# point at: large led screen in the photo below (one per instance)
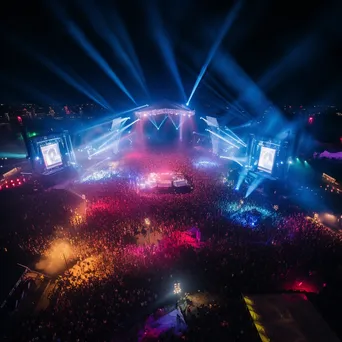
(266, 159)
(52, 155)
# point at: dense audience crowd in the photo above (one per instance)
(123, 251)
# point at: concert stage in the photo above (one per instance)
(163, 182)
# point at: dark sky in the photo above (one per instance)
(289, 49)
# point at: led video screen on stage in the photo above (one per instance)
(52, 155)
(266, 159)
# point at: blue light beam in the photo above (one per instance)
(225, 140)
(67, 78)
(161, 124)
(99, 24)
(166, 49)
(91, 90)
(54, 68)
(236, 138)
(226, 26)
(126, 41)
(292, 60)
(153, 122)
(248, 91)
(233, 159)
(105, 146)
(111, 118)
(170, 116)
(94, 54)
(254, 185)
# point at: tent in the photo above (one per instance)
(174, 320)
(288, 317)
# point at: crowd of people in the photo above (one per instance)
(117, 261)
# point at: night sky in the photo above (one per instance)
(289, 49)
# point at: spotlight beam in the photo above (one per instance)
(109, 134)
(54, 68)
(242, 176)
(152, 122)
(231, 137)
(226, 26)
(298, 56)
(110, 119)
(202, 135)
(132, 110)
(249, 123)
(99, 139)
(205, 120)
(91, 90)
(94, 126)
(254, 185)
(215, 83)
(170, 117)
(99, 23)
(106, 144)
(248, 91)
(165, 48)
(206, 84)
(230, 158)
(113, 136)
(82, 41)
(67, 78)
(223, 97)
(227, 141)
(151, 118)
(129, 125)
(29, 89)
(94, 54)
(181, 119)
(162, 122)
(168, 54)
(126, 41)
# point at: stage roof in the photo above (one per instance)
(288, 317)
(165, 107)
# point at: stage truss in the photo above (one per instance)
(165, 111)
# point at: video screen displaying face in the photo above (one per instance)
(266, 159)
(52, 155)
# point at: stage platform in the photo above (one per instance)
(163, 182)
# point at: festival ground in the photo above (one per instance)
(113, 255)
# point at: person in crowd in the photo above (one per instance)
(119, 272)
